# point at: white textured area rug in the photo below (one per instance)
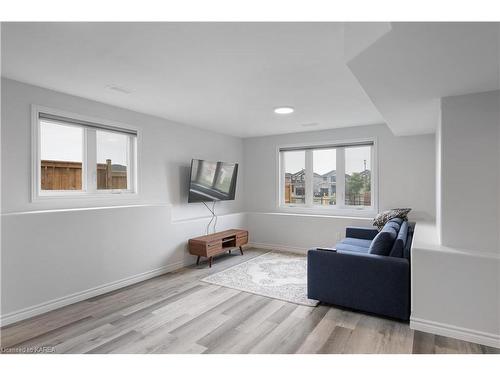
(275, 274)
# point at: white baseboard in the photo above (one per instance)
(291, 249)
(455, 332)
(44, 307)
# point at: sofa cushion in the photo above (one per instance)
(407, 249)
(400, 243)
(397, 249)
(397, 220)
(357, 242)
(352, 248)
(382, 243)
(394, 225)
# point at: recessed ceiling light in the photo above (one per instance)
(283, 110)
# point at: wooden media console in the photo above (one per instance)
(217, 243)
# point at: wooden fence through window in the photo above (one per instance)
(67, 175)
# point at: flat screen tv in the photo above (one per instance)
(212, 181)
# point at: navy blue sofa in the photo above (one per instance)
(368, 270)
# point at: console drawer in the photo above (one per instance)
(214, 247)
(241, 240)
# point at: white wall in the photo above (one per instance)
(438, 178)
(298, 233)
(406, 167)
(470, 157)
(456, 261)
(43, 249)
(50, 259)
(167, 150)
(406, 170)
(455, 292)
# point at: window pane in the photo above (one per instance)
(294, 163)
(112, 160)
(61, 151)
(324, 177)
(358, 176)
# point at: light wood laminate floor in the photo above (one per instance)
(177, 313)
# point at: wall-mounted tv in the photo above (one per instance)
(212, 181)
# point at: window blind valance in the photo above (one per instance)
(88, 124)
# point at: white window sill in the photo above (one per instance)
(82, 195)
(368, 213)
(76, 209)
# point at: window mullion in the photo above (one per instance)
(373, 177)
(131, 164)
(281, 194)
(309, 178)
(90, 160)
(340, 177)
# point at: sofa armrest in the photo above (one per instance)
(367, 282)
(361, 233)
(324, 249)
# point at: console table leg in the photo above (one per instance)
(210, 262)
(241, 250)
(198, 261)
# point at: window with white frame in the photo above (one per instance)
(328, 176)
(77, 157)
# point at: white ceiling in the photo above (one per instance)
(411, 65)
(225, 77)
(228, 77)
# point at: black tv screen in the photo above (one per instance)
(212, 181)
